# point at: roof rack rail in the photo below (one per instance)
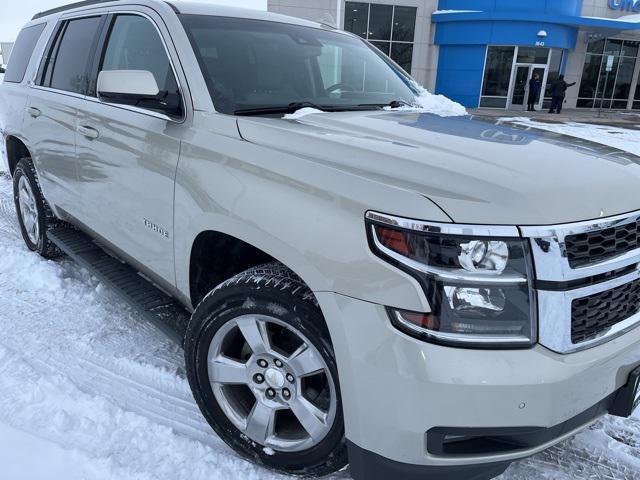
(70, 6)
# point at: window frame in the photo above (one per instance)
(50, 54)
(389, 43)
(95, 61)
(99, 56)
(608, 102)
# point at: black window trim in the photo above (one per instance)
(54, 44)
(98, 57)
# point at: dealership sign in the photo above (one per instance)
(628, 5)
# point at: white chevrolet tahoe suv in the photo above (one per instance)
(360, 283)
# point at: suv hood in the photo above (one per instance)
(477, 171)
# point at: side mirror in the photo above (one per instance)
(137, 88)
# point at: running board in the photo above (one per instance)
(155, 305)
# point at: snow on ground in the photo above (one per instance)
(621, 138)
(91, 392)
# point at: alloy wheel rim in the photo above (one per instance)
(28, 210)
(272, 383)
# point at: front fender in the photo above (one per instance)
(306, 215)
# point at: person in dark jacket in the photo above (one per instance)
(534, 92)
(558, 92)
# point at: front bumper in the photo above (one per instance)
(396, 389)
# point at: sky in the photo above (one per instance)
(14, 14)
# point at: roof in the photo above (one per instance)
(194, 8)
(629, 22)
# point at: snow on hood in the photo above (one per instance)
(426, 102)
(303, 112)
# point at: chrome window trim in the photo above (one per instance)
(446, 228)
(549, 248)
(554, 331)
(452, 275)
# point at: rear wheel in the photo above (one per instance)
(262, 369)
(34, 215)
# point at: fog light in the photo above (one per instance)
(484, 255)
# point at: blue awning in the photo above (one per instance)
(629, 22)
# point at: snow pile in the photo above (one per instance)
(303, 112)
(1, 77)
(620, 138)
(427, 102)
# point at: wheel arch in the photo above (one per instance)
(216, 256)
(16, 149)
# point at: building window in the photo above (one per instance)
(597, 89)
(497, 77)
(391, 28)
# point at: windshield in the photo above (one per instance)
(257, 66)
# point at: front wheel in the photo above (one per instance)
(262, 369)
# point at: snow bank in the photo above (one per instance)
(620, 138)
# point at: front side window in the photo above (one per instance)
(388, 27)
(253, 64)
(67, 64)
(22, 52)
(135, 44)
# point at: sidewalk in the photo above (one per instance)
(629, 120)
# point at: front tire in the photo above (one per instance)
(262, 369)
(34, 215)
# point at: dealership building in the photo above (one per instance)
(482, 53)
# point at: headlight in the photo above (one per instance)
(478, 286)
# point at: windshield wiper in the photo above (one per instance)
(392, 104)
(295, 106)
(291, 108)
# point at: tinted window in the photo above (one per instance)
(69, 70)
(22, 52)
(252, 64)
(134, 44)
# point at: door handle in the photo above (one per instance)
(88, 132)
(34, 112)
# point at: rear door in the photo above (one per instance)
(51, 119)
(127, 156)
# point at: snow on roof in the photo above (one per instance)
(626, 18)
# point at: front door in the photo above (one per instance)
(127, 156)
(520, 85)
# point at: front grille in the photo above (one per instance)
(594, 315)
(593, 247)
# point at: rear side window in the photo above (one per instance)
(67, 64)
(22, 52)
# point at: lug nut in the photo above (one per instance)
(290, 378)
(286, 394)
(258, 378)
(277, 363)
(262, 363)
(271, 393)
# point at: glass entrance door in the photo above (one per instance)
(520, 85)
